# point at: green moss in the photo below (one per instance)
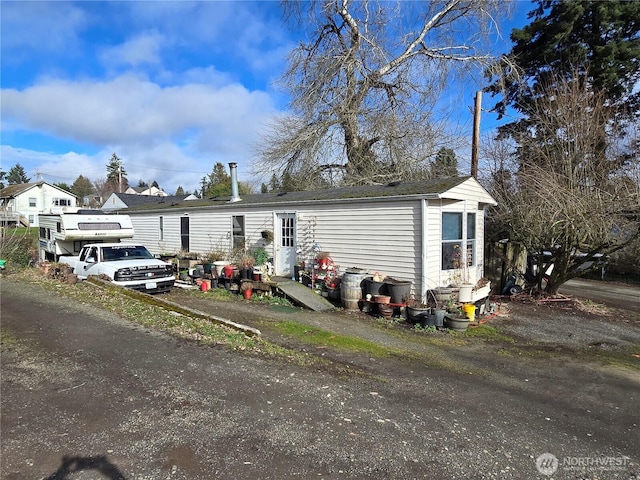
(316, 336)
(614, 356)
(489, 333)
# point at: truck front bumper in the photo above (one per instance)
(159, 285)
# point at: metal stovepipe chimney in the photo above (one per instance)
(235, 196)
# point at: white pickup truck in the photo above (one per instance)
(130, 266)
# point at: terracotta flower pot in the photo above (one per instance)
(384, 299)
(228, 271)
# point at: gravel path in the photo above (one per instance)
(88, 395)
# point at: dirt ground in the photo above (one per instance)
(88, 395)
(573, 323)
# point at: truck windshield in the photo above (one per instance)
(128, 252)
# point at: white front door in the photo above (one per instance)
(285, 243)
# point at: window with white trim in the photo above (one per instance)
(238, 231)
(471, 239)
(451, 240)
(458, 250)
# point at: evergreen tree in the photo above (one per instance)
(64, 186)
(445, 165)
(179, 191)
(599, 40)
(274, 184)
(82, 187)
(572, 74)
(116, 174)
(218, 182)
(17, 175)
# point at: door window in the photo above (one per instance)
(287, 232)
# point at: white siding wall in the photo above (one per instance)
(145, 232)
(435, 277)
(208, 230)
(380, 236)
(470, 191)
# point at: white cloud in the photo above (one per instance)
(140, 50)
(173, 135)
(170, 87)
(131, 109)
(41, 26)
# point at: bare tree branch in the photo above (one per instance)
(365, 88)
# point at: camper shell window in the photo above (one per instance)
(99, 226)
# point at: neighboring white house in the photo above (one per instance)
(152, 191)
(23, 202)
(420, 231)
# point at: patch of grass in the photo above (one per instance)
(223, 295)
(614, 357)
(8, 339)
(489, 333)
(19, 246)
(146, 312)
(285, 308)
(316, 336)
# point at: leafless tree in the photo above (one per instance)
(365, 87)
(103, 188)
(571, 188)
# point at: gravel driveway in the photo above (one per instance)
(86, 394)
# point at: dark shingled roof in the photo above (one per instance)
(133, 200)
(426, 188)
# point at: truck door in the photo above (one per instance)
(88, 261)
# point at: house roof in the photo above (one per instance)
(19, 188)
(132, 200)
(435, 188)
(145, 191)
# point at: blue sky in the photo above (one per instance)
(170, 87)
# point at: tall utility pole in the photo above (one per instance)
(119, 178)
(476, 135)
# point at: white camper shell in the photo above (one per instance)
(64, 233)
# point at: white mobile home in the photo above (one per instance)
(426, 232)
(65, 233)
